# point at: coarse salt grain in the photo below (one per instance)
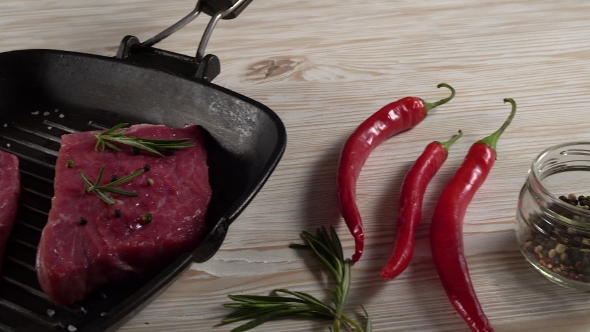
(49, 127)
(46, 113)
(102, 314)
(5, 125)
(35, 113)
(50, 312)
(56, 110)
(8, 144)
(72, 328)
(61, 116)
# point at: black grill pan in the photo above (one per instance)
(47, 93)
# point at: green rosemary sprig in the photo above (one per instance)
(260, 309)
(106, 139)
(103, 191)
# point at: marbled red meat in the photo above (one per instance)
(9, 195)
(74, 257)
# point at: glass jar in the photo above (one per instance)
(553, 233)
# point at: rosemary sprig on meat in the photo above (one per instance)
(155, 146)
(103, 191)
(284, 303)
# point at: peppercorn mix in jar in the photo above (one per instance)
(553, 216)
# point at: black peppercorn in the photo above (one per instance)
(118, 213)
(146, 218)
(146, 167)
(83, 221)
(134, 150)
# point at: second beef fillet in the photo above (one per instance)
(88, 243)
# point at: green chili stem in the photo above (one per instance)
(492, 140)
(450, 142)
(430, 106)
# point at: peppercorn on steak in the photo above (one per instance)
(9, 196)
(120, 212)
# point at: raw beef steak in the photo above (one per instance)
(88, 243)
(9, 195)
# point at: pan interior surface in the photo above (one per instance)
(44, 94)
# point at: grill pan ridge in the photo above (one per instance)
(47, 93)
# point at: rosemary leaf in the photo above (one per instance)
(117, 135)
(126, 178)
(86, 180)
(98, 144)
(302, 310)
(369, 324)
(336, 245)
(263, 299)
(347, 278)
(116, 127)
(131, 141)
(299, 246)
(307, 299)
(328, 249)
(322, 253)
(112, 146)
(100, 175)
(268, 316)
(102, 191)
(119, 191)
(242, 314)
(250, 306)
(164, 141)
(104, 196)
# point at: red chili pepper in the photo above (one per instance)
(446, 230)
(390, 120)
(410, 202)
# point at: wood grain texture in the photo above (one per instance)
(323, 67)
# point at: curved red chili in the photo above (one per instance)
(446, 230)
(410, 204)
(390, 120)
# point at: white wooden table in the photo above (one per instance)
(323, 67)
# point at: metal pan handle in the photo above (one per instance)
(217, 9)
(237, 6)
(212, 7)
(207, 66)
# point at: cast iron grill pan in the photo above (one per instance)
(47, 93)
(44, 94)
